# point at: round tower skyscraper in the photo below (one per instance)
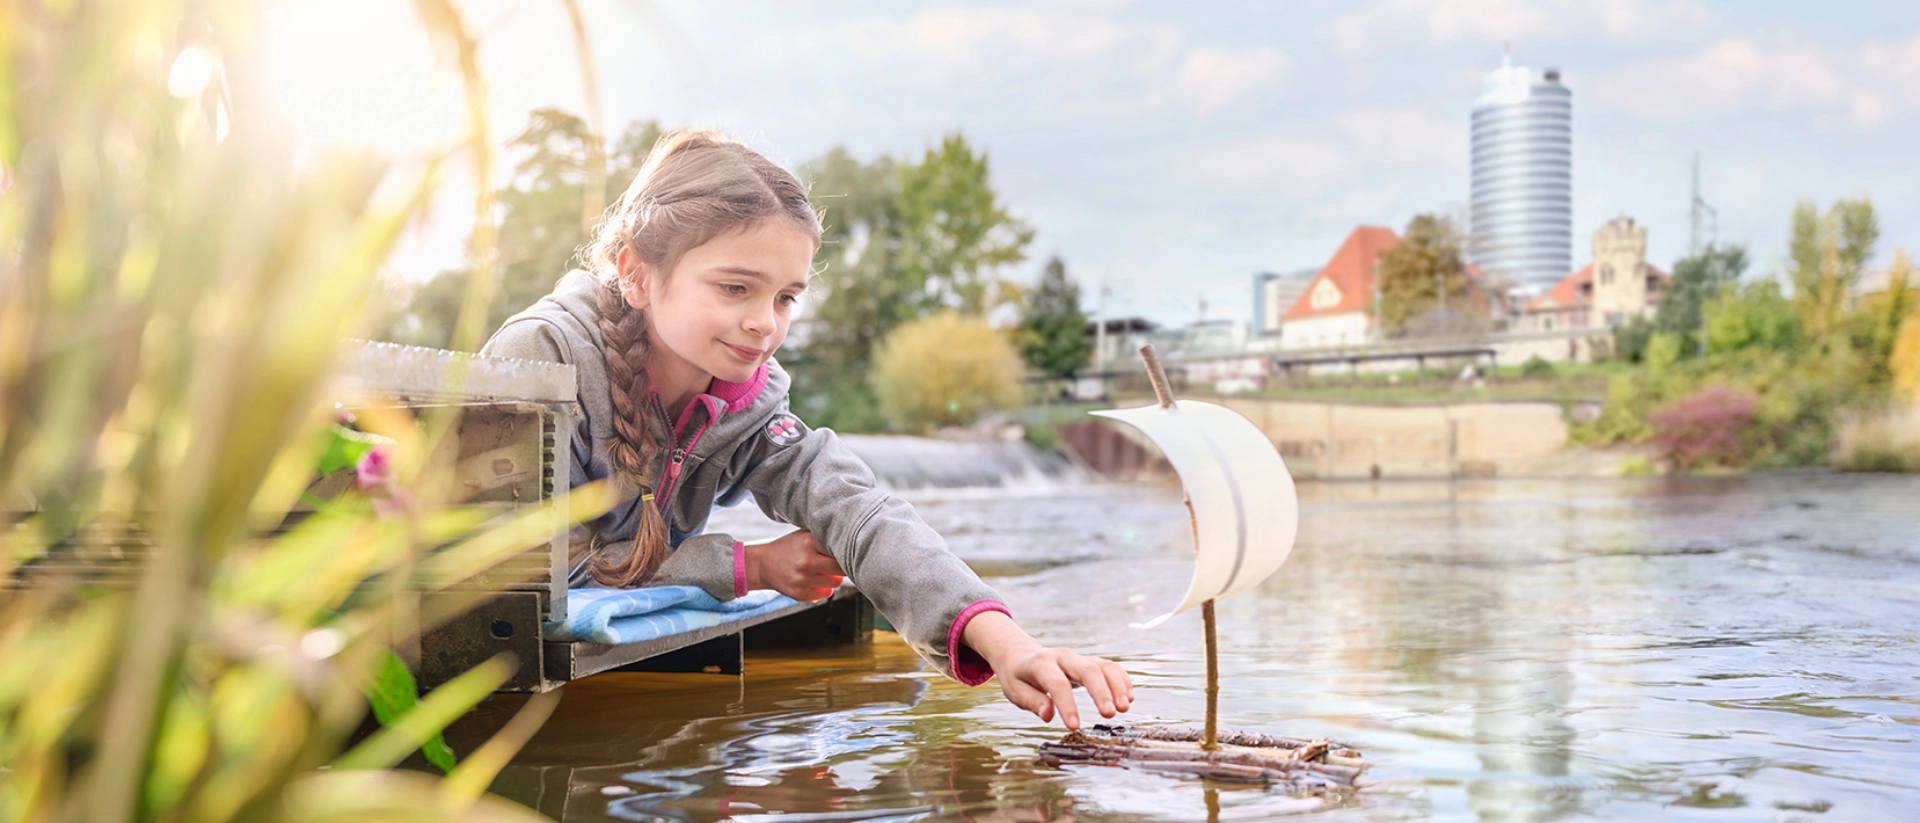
(1522, 200)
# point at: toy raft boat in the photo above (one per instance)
(1244, 513)
(1292, 764)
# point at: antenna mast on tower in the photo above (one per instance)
(1700, 212)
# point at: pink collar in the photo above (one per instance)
(739, 396)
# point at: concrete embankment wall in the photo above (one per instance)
(1884, 440)
(1350, 441)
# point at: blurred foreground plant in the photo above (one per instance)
(174, 292)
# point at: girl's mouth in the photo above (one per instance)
(749, 355)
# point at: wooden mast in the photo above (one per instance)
(1163, 391)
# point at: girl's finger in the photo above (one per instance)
(823, 564)
(1119, 683)
(831, 565)
(1087, 672)
(1027, 697)
(1060, 689)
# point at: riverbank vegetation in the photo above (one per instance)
(1763, 372)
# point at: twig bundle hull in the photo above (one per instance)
(1295, 765)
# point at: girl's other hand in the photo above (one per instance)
(795, 565)
(1041, 679)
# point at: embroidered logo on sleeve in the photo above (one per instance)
(784, 430)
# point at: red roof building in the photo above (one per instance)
(1345, 283)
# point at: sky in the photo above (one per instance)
(1169, 151)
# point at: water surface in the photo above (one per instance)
(1725, 649)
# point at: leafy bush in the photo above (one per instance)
(945, 370)
(1536, 367)
(1663, 350)
(1710, 428)
(1630, 339)
(1753, 315)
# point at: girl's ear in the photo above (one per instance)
(635, 276)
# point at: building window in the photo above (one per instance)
(1606, 275)
(1326, 295)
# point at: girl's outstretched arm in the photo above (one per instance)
(1041, 679)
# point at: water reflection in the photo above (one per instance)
(1746, 648)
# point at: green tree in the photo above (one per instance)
(898, 241)
(856, 298)
(1697, 279)
(1874, 327)
(540, 228)
(1754, 315)
(1422, 274)
(954, 234)
(1830, 252)
(1053, 331)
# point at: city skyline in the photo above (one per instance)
(1172, 152)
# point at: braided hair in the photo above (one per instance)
(694, 186)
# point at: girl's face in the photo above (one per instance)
(726, 305)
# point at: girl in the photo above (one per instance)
(695, 274)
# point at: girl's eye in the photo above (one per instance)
(734, 289)
(789, 299)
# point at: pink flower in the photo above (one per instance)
(373, 476)
(374, 470)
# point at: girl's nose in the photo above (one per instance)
(760, 321)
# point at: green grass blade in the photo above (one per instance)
(413, 729)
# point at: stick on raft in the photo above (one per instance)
(1292, 764)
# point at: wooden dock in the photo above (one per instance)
(509, 452)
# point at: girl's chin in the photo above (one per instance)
(735, 371)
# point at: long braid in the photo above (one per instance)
(694, 186)
(635, 444)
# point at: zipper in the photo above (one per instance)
(678, 457)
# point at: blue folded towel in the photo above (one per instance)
(635, 615)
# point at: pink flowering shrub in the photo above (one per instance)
(1708, 428)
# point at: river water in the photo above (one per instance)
(1728, 649)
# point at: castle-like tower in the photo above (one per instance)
(1620, 272)
(1522, 199)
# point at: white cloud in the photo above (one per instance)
(1444, 22)
(1738, 74)
(1090, 57)
(1898, 63)
(1212, 79)
(1363, 142)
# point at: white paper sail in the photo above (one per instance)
(1244, 507)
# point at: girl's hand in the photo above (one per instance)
(1041, 679)
(793, 564)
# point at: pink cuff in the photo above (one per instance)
(739, 569)
(968, 666)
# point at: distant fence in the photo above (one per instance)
(1335, 440)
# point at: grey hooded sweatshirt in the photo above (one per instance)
(739, 439)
